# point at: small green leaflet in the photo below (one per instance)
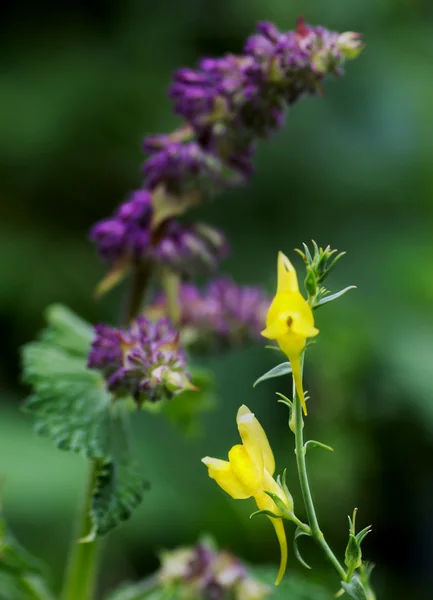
(332, 297)
(278, 371)
(71, 407)
(355, 590)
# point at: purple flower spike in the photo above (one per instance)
(127, 234)
(223, 316)
(144, 361)
(230, 102)
(128, 237)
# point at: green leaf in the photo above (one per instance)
(118, 490)
(278, 371)
(314, 444)
(72, 407)
(67, 330)
(119, 486)
(299, 533)
(20, 573)
(355, 590)
(333, 297)
(69, 403)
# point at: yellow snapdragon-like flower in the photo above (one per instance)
(290, 320)
(249, 473)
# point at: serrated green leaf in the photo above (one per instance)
(72, 407)
(278, 371)
(299, 533)
(67, 330)
(333, 297)
(118, 490)
(70, 403)
(119, 485)
(355, 590)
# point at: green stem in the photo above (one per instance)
(316, 533)
(81, 571)
(134, 299)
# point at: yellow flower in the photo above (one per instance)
(290, 320)
(248, 473)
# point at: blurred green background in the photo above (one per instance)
(81, 84)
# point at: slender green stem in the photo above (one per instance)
(305, 528)
(134, 299)
(81, 571)
(316, 533)
(171, 282)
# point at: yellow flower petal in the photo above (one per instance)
(281, 535)
(287, 279)
(275, 330)
(248, 473)
(254, 439)
(221, 471)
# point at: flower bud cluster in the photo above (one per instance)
(207, 574)
(144, 360)
(128, 236)
(224, 315)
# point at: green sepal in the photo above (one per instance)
(361, 535)
(286, 513)
(354, 589)
(278, 371)
(268, 513)
(282, 482)
(315, 444)
(353, 554)
(330, 298)
(299, 533)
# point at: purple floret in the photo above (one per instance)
(144, 360)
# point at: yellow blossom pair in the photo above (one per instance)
(249, 473)
(290, 320)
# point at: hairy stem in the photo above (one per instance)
(316, 532)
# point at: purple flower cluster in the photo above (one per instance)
(144, 361)
(224, 315)
(203, 572)
(230, 102)
(128, 236)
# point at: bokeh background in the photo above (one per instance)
(81, 84)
